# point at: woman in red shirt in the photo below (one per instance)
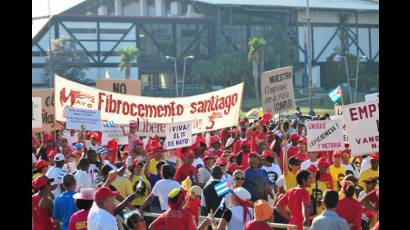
(297, 199)
(256, 134)
(83, 202)
(349, 208)
(42, 205)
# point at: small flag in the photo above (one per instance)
(336, 94)
(139, 185)
(222, 188)
(102, 150)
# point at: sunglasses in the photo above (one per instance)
(239, 178)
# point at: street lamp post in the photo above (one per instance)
(357, 75)
(309, 56)
(337, 58)
(176, 76)
(183, 75)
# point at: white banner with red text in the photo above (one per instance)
(209, 111)
(325, 135)
(362, 127)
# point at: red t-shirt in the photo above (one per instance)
(236, 147)
(175, 219)
(186, 170)
(350, 210)
(245, 161)
(301, 157)
(292, 151)
(193, 206)
(78, 220)
(373, 197)
(294, 199)
(256, 225)
(41, 217)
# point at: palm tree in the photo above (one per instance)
(128, 55)
(256, 45)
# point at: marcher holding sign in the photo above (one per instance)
(277, 90)
(362, 126)
(178, 135)
(325, 135)
(83, 119)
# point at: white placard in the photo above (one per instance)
(83, 119)
(109, 133)
(324, 135)
(36, 119)
(362, 127)
(372, 97)
(339, 115)
(178, 135)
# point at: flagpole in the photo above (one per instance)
(340, 85)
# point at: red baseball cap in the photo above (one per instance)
(323, 162)
(246, 143)
(337, 153)
(41, 182)
(267, 116)
(208, 155)
(374, 156)
(294, 137)
(253, 154)
(232, 167)
(135, 162)
(302, 139)
(138, 143)
(214, 139)
(189, 153)
(41, 164)
(103, 193)
(94, 135)
(266, 154)
(312, 169)
(48, 137)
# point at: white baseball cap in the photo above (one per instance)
(242, 193)
(59, 157)
(85, 194)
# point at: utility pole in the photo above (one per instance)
(309, 54)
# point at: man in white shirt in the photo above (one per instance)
(94, 145)
(72, 137)
(272, 170)
(81, 176)
(347, 165)
(56, 172)
(311, 161)
(162, 188)
(100, 217)
(204, 173)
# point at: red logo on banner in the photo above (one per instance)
(76, 97)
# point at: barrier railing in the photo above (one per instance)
(201, 218)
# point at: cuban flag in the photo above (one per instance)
(222, 188)
(336, 94)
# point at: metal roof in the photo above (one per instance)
(317, 4)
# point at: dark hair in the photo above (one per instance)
(330, 198)
(68, 180)
(83, 163)
(293, 161)
(83, 204)
(216, 172)
(167, 171)
(90, 151)
(301, 176)
(349, 191)
(59, 164)
(159, 165)
(269, 159)
(105, 170)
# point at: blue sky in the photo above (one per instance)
(40, 7)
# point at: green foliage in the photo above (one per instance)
(128, 55)
(256, 45)
(66, 60)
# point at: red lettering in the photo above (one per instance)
(193, 108)
(119, 102)
(125, 108)
(352, 114)
(133, 113)
(100, 100)
(180, 110)
(140, 110)
(112, 103)
(160, 109)
(372, 109)
(363, 111)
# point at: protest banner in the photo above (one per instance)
(178, 135)
(325, 135)
(372, 97)
(362, 127)
(83, 119)
(209, 111)
(277, 90)
(47, 107)
(109, 133)
(36, 121)
(129, 87)
(339, 115)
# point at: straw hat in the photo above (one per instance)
(262, 210)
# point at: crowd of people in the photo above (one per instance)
(264, 166)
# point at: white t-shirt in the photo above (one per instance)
(273, 173)
(33, 158)
(95, 174)
(83, 180)
(71, 139)
(100, 219)
(280, 181)
(57, 174)
(203, 175)
(350, 167)
(161, 190)
(236, 221)
(305, 164)
(198, 163)
(93, 147)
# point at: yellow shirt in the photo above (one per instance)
(366, 174)
(337, 175)
(290, 181)
(123, 186)
(153, 166)
(317, 191)
(37, 175)
(140, 199)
